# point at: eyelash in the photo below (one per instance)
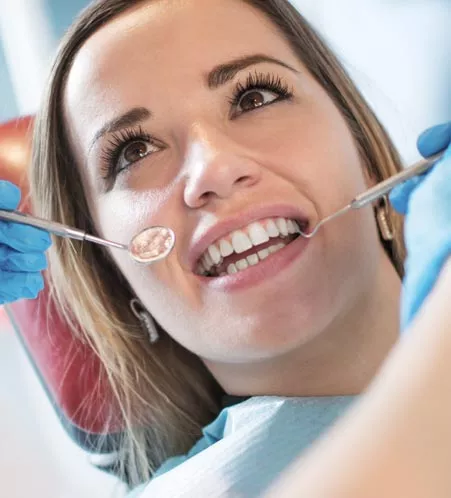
(120, 140)
(261, 81)
(116, 145)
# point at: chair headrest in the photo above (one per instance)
(71, 373)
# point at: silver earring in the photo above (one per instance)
(147, 322)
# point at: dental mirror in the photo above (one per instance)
(149, 246)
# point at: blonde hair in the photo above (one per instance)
(164, 393)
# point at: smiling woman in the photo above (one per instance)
(235, 133)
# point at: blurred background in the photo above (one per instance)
(398, 52)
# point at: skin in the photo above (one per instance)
(389, 444)
(321, 327)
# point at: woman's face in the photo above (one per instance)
(197, 115)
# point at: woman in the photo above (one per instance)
(233, 124)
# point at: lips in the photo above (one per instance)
(257, 230)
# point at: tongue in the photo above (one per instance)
(233, 258)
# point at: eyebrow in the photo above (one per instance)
(217, 77)
(130, 118)
(222, 74)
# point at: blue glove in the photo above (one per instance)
(22, 250)
(426, 202)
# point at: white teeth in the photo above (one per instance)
(275, 248)
(231, 269)
(242, 264)
(215, 254)
(291, 227)
(282, 226)
(241, 242)
(258, 234)
(272, 229)
(225, 248)
(208, 262)
(253, 259)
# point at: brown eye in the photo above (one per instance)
(256, 98)
(135, 151)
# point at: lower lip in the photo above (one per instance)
(264, 270)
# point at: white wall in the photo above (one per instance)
(399, 53)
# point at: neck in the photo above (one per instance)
(341, 361)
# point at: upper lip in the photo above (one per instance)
(206, 237)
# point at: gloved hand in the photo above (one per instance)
(21, 252)
(426, 202)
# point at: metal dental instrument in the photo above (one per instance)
(149, 246)
(379, 190)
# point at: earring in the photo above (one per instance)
(383, 220)
(147, 322)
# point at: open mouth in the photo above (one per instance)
(248, 246)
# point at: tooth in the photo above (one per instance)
(282, 226)
(242, 264)
(280, 246)
(263, 254)
(291, 226)
(272, 249)
(207, 261)
(297, 227)
(203, 267)
(272, 229)
(215, 254)
(225, 248)
(253, 259)
(257, 234)
(231, 269)
(240, 242)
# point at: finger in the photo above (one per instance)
(9, 195)
(12, 260)
(434, 140)
(18, 285)
(24, 238)
(400, 195)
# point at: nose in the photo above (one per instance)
(216, 170)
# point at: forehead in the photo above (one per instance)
(164, 41)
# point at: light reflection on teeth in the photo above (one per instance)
(243, 240)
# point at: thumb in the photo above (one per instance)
(434, 140)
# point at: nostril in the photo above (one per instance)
(206, 196)
(244, 180)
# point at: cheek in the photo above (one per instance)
(120, 215)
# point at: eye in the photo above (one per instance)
(256, 98)
(259, 90)
(134, 152)
(125, 149)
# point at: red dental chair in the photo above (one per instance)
(71, 374)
